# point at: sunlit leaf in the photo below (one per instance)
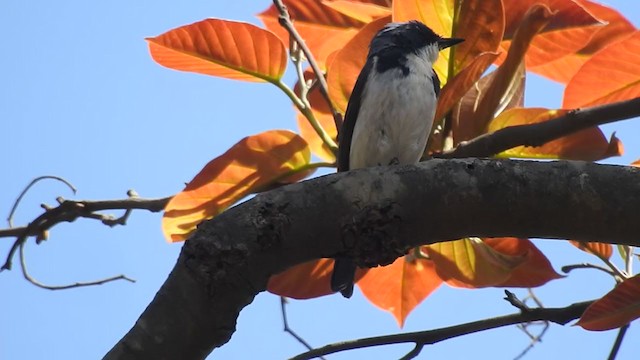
(323, 29)
(622, 63)
(601, 250)
(304, 281)
(224, 48)
(535, 270)
(460, 84)
(471, 263)
(568, 14)
(436, 14)
(589, 144)
(616, 27)
(348, 62)
(398, 288)
(481, 25)
(507, 75)
(359, 10)
(617, 308)
(465, 124)
(250, 165)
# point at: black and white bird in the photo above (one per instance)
(391, 109)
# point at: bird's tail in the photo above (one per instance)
(343, 275)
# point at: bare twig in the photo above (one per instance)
(35, 282)
(285, 22)
(70, 210)
(541, 133)
(556, 315)
(618, 342)
(283, 308)
(568, 268)
(534, 339)
(26, 189)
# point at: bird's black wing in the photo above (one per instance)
(350, 117)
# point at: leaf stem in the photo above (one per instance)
(306, 111)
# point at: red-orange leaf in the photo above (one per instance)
(622, 81)
(398, 288)
(323, 29)
(535, 270)
(359, 10)
(567, 15)
(481, 25)
(348, 62)
(601, 250)
(225, 48)
(589, 144)
(615, 28)
(250, 165)
(307, 280)
(465, 124)
(617, 308)
(472, 263)
(506, 76)
(458, 86)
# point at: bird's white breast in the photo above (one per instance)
(395, 117)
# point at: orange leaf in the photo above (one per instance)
(601, 250)
(616, 27)
(436, 14)
(458, 86)
(323, 29)
(617, 308)
(348, 62)
(230, 49)
(359, 10)
(506, 76)
(481, 25)
(307, 280)
(567, 15)
(465, 124)
(398, 288)
(471, 263)
(589, 144)
(250, 165)
(535, 270)
(621, 60)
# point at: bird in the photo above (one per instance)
(391, 110)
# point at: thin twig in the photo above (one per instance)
(556, 315)
(37, 283)
(413, 353)
(568, 268)
(26, 189)
(285, 22)
(283, 308)
(618, 342)
(541, 133)
(69, 211)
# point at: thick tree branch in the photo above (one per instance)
(229, 259)
(540, 133)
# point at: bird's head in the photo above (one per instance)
(412, 37)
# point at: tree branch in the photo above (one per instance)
(229, 259)
(540, 133)
(557, 315)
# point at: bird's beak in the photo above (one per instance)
(448, 42)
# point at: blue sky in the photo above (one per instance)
(81, 98)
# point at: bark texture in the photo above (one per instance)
(373, 215)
